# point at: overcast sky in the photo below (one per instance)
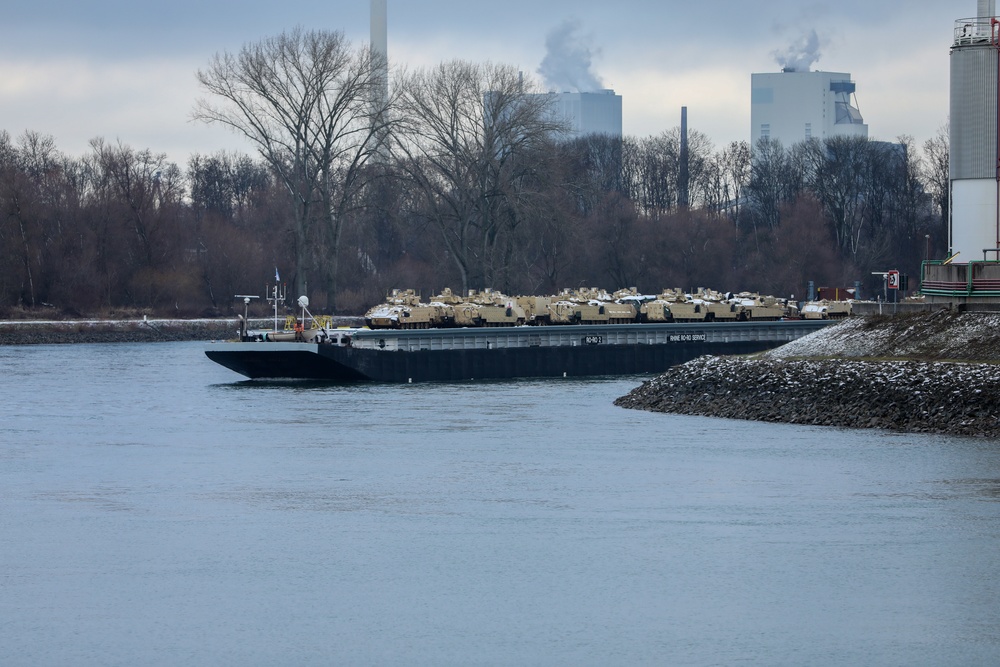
(125, 70)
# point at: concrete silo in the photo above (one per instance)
(971, 274)
(975, 218)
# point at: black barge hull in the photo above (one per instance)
(454, 355)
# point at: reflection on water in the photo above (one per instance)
(988, 489)
(158, 510)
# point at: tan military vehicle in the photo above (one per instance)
(403, 310)
(722, 307)
(496, 309)
(589, 305)
(562, 312)
(692, 308)
(604, 312)
(826, 310)
(658, 309)
(536, 308)
(762, 307)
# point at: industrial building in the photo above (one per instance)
(598, 112)
(971, 273)
(793, 106)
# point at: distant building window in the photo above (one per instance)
(765, 131)
(809, 130)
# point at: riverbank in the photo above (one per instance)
(49, 332)
(915, 373)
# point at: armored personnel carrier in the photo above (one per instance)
(590, 306)
(826, 310)
(403, 310)
(763, 307)
(496, 309)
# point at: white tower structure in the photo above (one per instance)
(975, 170)
(971, 273)
(792, 106)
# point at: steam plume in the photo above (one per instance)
(800, 56)
(568, 60)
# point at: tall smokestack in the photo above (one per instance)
(380, 36)
(987, 9)
(380, 41)
(379, 49)
(683, 174)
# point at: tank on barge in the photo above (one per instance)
(488, 335)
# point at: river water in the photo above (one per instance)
(157, 510)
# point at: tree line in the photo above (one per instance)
(453, 176)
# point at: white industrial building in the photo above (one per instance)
(599, 112)
(792, 106)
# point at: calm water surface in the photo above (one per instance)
(156, 510)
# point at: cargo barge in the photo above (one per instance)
(465, 354)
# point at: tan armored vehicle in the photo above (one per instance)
(762, 307)
(466, 315)
(562, 312)
(590, 306)
(658, 309)
(632, 297)
(536, 308)
(403, 310)
(605, 312)
(692, 308)
(402, 317)
(826, 310)
(496, 309)
(722, 307)
(654, 311)
(447, 303)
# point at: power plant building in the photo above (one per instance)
(599, 112)
(793, 106)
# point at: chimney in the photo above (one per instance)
(683, 176)
(379, 39)
(379, 52)
(987, 9)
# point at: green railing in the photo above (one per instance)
(960, 280)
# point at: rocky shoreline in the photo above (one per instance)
(897, 373)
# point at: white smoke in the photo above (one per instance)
(801, 55)
(568, 60)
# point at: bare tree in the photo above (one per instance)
(768, 189)
(653, 168)
(595, 168)
(474, 145)
(146, 183)
(937, 178)
(654, 172)
(35, 200)
(304, 99)
(837, 169)
(733, 167)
